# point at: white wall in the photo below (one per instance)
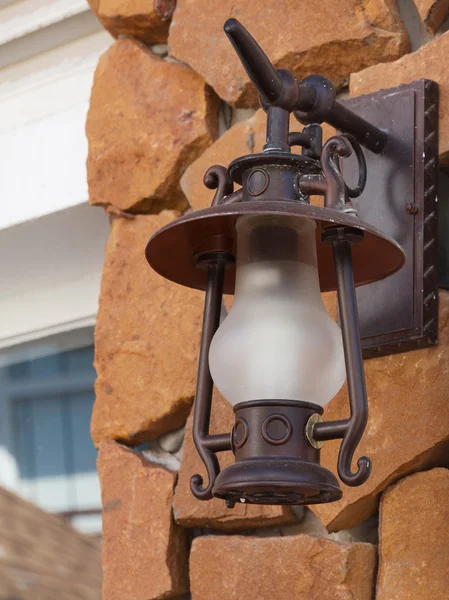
(43, 148)
(50, 272)
(51, 242)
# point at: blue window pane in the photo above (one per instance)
(77, 361)
(81, 360)
(47, 365)
(24, 438)
(84, 452)
(54, 452)
(18, 371)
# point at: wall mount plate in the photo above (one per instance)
(400, 313)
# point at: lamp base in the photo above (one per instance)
(276, 481)
(274, 461)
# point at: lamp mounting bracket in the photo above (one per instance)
(400, 313)
(390, 174)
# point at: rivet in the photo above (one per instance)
(277, 419)
(313, 420)
(411, 209)
(257, 182)
(240, 433)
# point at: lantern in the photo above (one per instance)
(278, 357)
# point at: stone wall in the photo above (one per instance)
(170, 99)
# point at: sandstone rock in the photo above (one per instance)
(242, 138)
(190, 512)
(300, 567)
(293, 34)
(428, 62)
(408, 426)
(145, 20)
(144, 551)
(414, 537)
(433, 13)
(148, 120)
(146, 340)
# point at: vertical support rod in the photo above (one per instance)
(347, 301)
(278, 122)
(203, 396)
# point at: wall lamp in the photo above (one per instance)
(278, 356)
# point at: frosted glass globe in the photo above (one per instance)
(278, 340)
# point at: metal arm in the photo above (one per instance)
(312, 99)
(350, 430)
(354, 367)
(206, 444)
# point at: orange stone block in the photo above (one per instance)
(146, 340)
(148, 120)
(408, 425)
(331, 38)
(299, 567)
(144, 551)
(414, 538)
(145, 20)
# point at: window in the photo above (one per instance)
(45, 411)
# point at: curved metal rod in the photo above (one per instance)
(196, 481)
(354, 366)
(358, 189)
(315, 134)
(217, 178)
(336, 192)
(298, 138)
(203, 397)
(331, 183)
